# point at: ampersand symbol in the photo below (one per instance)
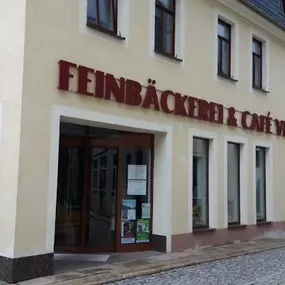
(232, 121)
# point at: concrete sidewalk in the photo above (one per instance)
(123, 266)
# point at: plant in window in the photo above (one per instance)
(196, 214)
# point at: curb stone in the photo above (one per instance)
(185, 264)
(121, 272)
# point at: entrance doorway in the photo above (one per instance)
(104, 196)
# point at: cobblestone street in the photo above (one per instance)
(262, 268)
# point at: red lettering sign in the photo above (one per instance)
(130, 92)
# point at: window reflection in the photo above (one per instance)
(260, 184)
(69, 197)
(256, 63)
(200, 182)
(233, 183)
(102, 198)
(164, 26)
(224, 48)
(136, 202)
(102, 13)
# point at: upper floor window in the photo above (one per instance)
(224, 49)
(102, 14)
(165, 26)
(257, 64)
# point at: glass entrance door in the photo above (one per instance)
(136, 199)
(104, 200)
(87, 198)
(69, 197)
(101, 199)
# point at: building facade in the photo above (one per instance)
(137, 125)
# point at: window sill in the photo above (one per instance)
(227, 77)
(263, 223)
(236, 226)
(168, 55)
(260, 89)
(203, 230)
(105, 31)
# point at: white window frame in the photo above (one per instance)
(180, 30)
(233, 22)
(265, 60)
(123, 21)
(1, 129)
(244, 220)
(212, 177)
(268, 180)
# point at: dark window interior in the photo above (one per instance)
(165, 26)
(102, 14)
(257, 63)
(224, 48)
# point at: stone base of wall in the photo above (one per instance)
(214, 237)
(158, 243)
(25, 268)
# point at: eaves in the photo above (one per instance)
(266, 14)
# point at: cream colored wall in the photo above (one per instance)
(54, 30)
(12, 31)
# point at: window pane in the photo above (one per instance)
(260, 184)
(158, 29)
(219, 54)
(225, 58)
(136, 205)
(257, 71)
(224, 30)
(256, 47)
(200, 182)
(233, 183)
(167, 32)
(166, 3)
(92, 11)
(106, 14)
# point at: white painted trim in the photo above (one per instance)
(1, 118)
(151, 31)
(52, 183)
(162, 185)
(212, 183)
(234, 22)
(265, 58)
(180, 29)
(108, 120)
(124, 19)
(10, 250)
(269, 180)
(243, 179)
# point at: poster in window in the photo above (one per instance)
(129, 209)
(142, 231)
(136, 187)
(128, 232)
(137, 172)
(145, 210)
